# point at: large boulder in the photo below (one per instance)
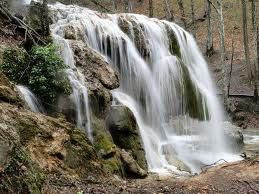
(125, 133)
(131, 166)
(8, 92)
(233, 136)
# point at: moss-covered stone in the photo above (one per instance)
(125, 133)
(194, 103)
(113, 165)
(8, 92)
(138, 33)
(173, 44)
(103, 142)
(21, 175)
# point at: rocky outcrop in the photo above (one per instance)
(32, 146)
(125, 133)
(99, 76)
(8, 92)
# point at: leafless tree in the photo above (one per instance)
(209, 45)
(151, 8)
(167, 10)
(255, 35)
(193, 18)
(180, 3)
(245, 37)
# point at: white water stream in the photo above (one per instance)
(30, 99)
(169, 90)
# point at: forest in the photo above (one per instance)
(129, 96)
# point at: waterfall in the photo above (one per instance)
(30, 99)
(164, 81)
(79, 90)
(26, 2)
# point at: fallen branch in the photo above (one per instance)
(209, 165)
(100, 5)
(30, 32)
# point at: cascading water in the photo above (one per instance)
(164, 80)
(30, 99)
(79, 90)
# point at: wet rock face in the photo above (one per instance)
(99, 76)
(125, 133)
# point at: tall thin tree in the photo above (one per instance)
(151, 8)
(209, 45)
(245, 37)
(167, 10)
(255, 36)
(193, 18)
(183, 18)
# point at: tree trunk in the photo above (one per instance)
(115, 7)
(126, 6)
(245, 34)
(180, 3)
(151, 8)
(254, 12)
(167, 10)
(209, 45)
(222, 51)
(193, 19)
(257, 70)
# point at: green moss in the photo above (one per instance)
(113, 166)
(102, 138)
(27, 130)
(195, 104)
(21, 175)
(79, 152)
(173, 44)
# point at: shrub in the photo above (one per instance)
(15, 65)
(42, 70)
(47, 77)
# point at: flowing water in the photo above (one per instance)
(79, 89)
(251, 140)
(164, 80)
(30, 99)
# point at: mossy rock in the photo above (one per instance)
(103, 142)
(113, 165)
(125, 133)
(8, 92)
(194, 102)
(21, 175)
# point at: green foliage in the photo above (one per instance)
(15, 64)
(41, 69)
(47, 74)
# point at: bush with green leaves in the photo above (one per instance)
(41, 69)
(15, 65)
